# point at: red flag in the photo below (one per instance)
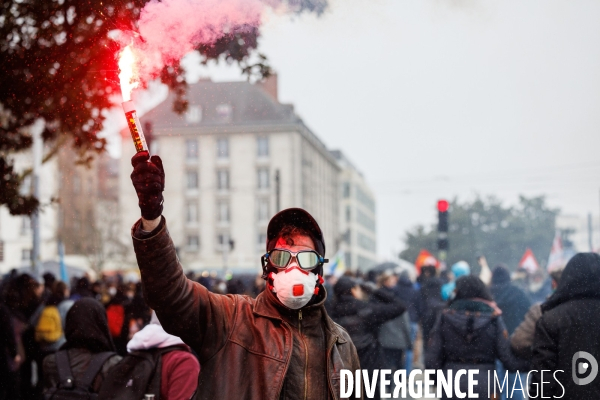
(425, 258)
(528, 262)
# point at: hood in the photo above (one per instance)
(86, 327)
(461, 268)
(469, 316)
(580, 279)
(465, 323)
(152, 336)
(500, 275)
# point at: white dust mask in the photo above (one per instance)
(293, 287)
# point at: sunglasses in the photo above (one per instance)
(306, 259)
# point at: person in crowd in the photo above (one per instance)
(520, 278)
(24, 300)
(459, 269)
(116, 312)
(137, 313)
(430, 306)
(9, 355)
(394, 335)
(82, 289)
(514, 304)
(363, 317)
(569, 326)
(86, 334)
(281, 344)
(49, 281)
(522, 338)
(470, 334)
(49, 331)
(540, 286)
(407, 293)
(179, 368)
(61, 290)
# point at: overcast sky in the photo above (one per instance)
(444, 98)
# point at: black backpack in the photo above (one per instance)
(70, 389)
(137, 374)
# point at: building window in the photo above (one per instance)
(191, 212)
(224, 112)
(191, 149)
(263, 178)
(365, 199)
(262, 209)
(225, 242)
(365, 221)
(346, 189)
(223, 211)
(1, 251)
(193, 114)
(26, 255)
(191, 178)
(223, 148)
(25, 225)
(366, 242)
(348, 214)
(222, 179)
(192, 243)
(262, 146)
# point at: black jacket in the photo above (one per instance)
(429, 306)
(569, 324)
(362, 320)
(471, 335)
(406, 293)
(513, 302)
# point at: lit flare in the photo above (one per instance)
(127, 75)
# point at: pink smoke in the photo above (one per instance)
(171, 28)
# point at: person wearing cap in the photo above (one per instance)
(281, 345)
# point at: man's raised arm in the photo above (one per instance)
(185, 308)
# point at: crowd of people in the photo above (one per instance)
(393, 322)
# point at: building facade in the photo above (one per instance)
(357, 217)
(16, 235)
(232, 161)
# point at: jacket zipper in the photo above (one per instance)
(305, 355)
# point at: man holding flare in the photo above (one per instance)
(281, 345)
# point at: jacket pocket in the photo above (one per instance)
(263, 337)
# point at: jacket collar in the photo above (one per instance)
(267, 305)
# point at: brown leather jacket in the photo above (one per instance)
(248, 348)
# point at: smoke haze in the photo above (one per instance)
(171, 28)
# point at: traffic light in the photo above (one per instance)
(443, 207)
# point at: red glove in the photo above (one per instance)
(148, 179)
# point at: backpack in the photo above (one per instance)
(49, 326)
(115, 313)
(137, 374)
(68, 388)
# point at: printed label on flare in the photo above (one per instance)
(136, 133)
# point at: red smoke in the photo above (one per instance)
(169, 29)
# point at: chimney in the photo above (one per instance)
(269, 85)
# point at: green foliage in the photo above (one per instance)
(58, 64)
(486, 227)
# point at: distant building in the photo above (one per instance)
(16, 240)
(357, 217)
(232, 161)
